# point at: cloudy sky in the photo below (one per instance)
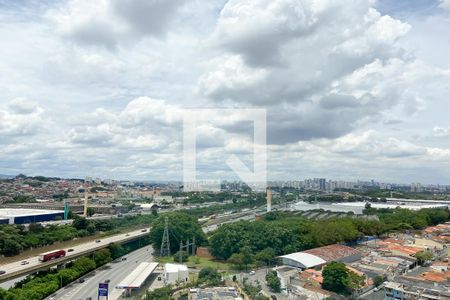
(353, 89)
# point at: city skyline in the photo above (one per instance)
(352, 90)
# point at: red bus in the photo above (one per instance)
(52, 255)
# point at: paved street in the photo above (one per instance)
(115, 272)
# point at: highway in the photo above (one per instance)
(16, 269)
(115, 272)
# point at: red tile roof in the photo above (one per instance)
(333, 252)
(436, 276)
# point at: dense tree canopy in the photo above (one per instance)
(281, 233)
(209, 276)
(182, 227)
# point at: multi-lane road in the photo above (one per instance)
(115, 272)
(19, 268)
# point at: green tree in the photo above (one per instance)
(183, 254)
(102, 257)
(90, 211)
(424, 256)
(80, 223)
(182, 227)
(378, 280)
(273, 281)
(11, 247)
(90, 229)
(334, 277)
(209, 276)
(159, 294)
(116, 250)
(253, 291)
(84, 265)
(237, 259)
(265, 256)
(337, 278)
(247, 256)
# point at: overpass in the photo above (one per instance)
(16, 269)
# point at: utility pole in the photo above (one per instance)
(165, 243)
(186, 248)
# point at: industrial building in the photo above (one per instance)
(317, 257)
(174, 273)
(26, 216)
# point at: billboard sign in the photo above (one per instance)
(103, 290)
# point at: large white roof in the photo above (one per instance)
(23, 212)
(173, 268)
(136, 278)
(305, 259)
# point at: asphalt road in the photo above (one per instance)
(34, 261)
(115, 272)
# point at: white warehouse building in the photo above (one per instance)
(174, 273)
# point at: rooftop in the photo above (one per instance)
(305, 259)
(172, 268)
(136, 278)
(23, 212)
(333, 252)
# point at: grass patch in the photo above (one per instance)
(199, 262)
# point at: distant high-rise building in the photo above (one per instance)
(322, 184)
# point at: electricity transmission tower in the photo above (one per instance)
(165, 244)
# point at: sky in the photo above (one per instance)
(352, 89)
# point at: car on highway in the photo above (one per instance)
(98, 241)
(107, 281)
(144, 230)
(127, 234)
(124, 258)
(252, 272)
(70, 250)
(2, 272)
(24, 263)
(81, 280)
